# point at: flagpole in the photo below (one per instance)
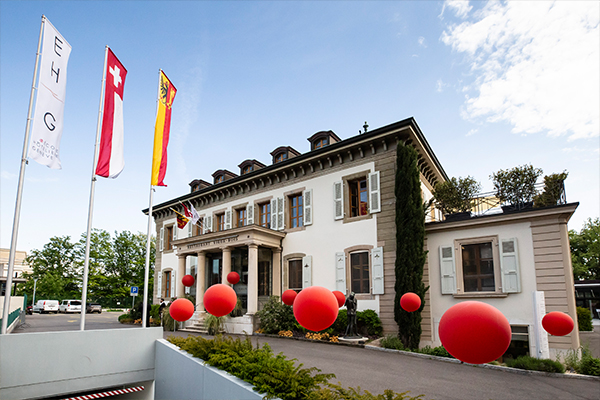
(86, 263)
(15, 231)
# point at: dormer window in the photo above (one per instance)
(247, 168)
(322, 139)
(321, 143)
(198, 184)
(281, 157)
(283, 153)
(250, 165)
(222, 175)
(219, 179)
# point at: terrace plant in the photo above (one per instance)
(516, 186)
(553, 190)
(456, 195)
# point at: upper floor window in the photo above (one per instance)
(358, 197)
(168, 238)
(220, 222)
(241, 217)
(320, 143)
(219, 179)
(264, 215)
(281, 157)
(295, 211)
(247, 168)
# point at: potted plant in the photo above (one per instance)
(516, 187)
(455, 197)
(553, 190)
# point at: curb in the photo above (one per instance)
(487, 366)
(361, 345)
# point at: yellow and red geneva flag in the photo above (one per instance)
(166, 95)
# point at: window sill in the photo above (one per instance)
(298, 229)
(479, 295)
(359, 218)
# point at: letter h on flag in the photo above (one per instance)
(110, 158)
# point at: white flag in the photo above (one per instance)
(195, 216)
(49, 107)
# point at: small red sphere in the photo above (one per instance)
(316, 308)
(187, 280)
(288, 297)
(219, 300)
(558, 323)
(341, 298)
(181, 310)
(410, 302)
(233, 277)
(474, 332)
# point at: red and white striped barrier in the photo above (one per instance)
(107, 394)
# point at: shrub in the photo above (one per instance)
(589, 365)
(214, 324)
(237, 310)
(584, 319)
(535, 364)
(168, 321)
(272, 374)
(276, 316)
(337, 392)
(125, 319)
(439, 351)
(456, 195)
(553, 189)
(341, 322)
(517, 185)
(369, 321)
(392, 342)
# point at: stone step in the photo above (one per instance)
(194, 329)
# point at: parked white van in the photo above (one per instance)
(68, 306)
(46, 306)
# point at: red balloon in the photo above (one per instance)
(474, 332)
(558, 323)
(341, 298)
(410, 302)
(187, 280)
(219, 300)
(181, 310)
(233, 277)
(288, 297)
(316, 308)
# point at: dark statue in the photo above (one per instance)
(351, 330)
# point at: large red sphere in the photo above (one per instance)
(219, 300)
(233, 277)
(410, 302)
(558, 323)
(341, 298)
(181, 310)
(474, 332)
(187, 280)
(316, 308)
(288, 297)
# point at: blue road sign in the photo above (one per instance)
(134, 291)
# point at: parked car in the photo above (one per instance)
(46, 306)
(93, 307)
(70, 306)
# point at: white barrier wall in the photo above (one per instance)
(34, 365)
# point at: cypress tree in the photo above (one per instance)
(410, 238)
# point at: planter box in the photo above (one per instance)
(457, 216)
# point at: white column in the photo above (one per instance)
(200, 281)
(252, 279)
(276, 272)
(226, 264)
(179, 288)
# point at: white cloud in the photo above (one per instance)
(421, 41)
(472, 132)
(7, 175)
(534, 65)
(460, 7)
(440, 85)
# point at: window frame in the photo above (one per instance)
(168, 237)
(321, 142)
(300, 210)
(298, 263)
(347, 197)
(266, 215)
(280, 157)
(361, 278)
(459, 265)
(220, 222)
(239, 212)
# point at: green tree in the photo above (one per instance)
(456, 195)
(410, 238)
(517, 185)
(585, 250)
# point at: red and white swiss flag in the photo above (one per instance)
(110, 158)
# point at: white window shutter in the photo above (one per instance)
(227, 224)
(377, 270)
(374, 193)
(175, 229)
(280, 214)
(162, 239)
(308, 208)
(250, 214)
(447, 270)
(159, 285)
(207, 224)
(173, 280)
(340, 272)
(306, 271)
(274, 225)
(338, 200)
(190, 227)
(509, 263)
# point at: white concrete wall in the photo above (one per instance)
(181, 376)
(517, 307)
(35, 365)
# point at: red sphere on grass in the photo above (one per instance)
(233, 277)
(181, 310)
(341, 298)
(316, 308)
(219, 300)
(558, 323)
(288, 297)
(474, 332)
(410, 302)
(187, 280)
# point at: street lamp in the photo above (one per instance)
(34, 286)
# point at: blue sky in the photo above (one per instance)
(492, 86)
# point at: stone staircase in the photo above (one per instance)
(197, 327)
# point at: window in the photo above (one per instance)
(296, 211)
(168, 237)
(197, 229)
(295, 274)
(220, 222)
(264, 215)
(320, 143)
(168, 284)
(478, 267)
(359, 272)
(358, 197)
(246, 169)
(241, 217)
(219, 179)
(281, 157)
